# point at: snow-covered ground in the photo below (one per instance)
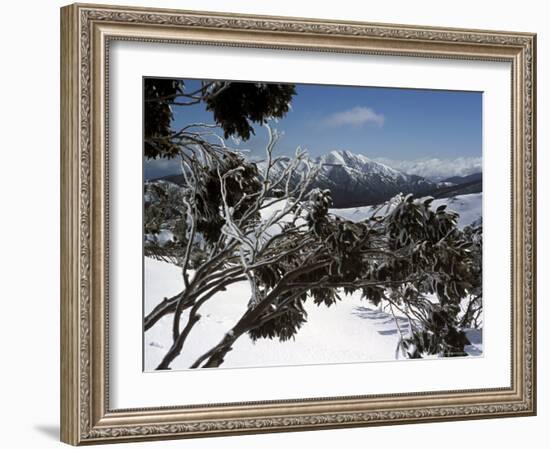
(350, 331)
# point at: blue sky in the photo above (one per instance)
(410, 129)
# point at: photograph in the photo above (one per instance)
(301, 224)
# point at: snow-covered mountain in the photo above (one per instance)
(459, 185)
(356, 180)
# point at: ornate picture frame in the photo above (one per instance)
(87, 32)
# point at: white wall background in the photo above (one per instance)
(29, 221)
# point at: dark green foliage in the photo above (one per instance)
(412, 221)
(243, 181)
(237, 105)
(159, 93)
(374, 294)
(285, 319)
(317, 207)
(162, 205)
(438, 336)
(164, 211)
(474, 308)
(325, 296)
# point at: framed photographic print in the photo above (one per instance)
(280, 224)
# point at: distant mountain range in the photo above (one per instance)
(459, 185)
(355, 180)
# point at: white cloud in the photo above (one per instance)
(357, 116)
(435, 168)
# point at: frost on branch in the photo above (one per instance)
(236, 220)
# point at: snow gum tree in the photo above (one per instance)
(236, 220)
